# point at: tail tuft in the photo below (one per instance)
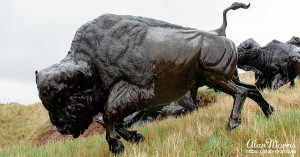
(237, 5)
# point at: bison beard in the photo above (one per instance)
(121, 64)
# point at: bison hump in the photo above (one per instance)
(113, 45)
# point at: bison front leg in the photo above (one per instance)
(277, 82)
(261, 82)
(124, 99)
(131, 136)
(112, 137)
(292, 85)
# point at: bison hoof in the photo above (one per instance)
(136, 138)
(269, 111)
(233, 123)
(116, 146)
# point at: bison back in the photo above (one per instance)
(112, 43)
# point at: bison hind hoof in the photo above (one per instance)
(270, 111)
(233, 124)
(231, 127)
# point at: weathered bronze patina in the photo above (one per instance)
(274, 65)
(120, 64)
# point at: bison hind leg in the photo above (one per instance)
(254, 94)
(237, 92)
(292, 85)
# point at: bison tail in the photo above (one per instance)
(222, 30)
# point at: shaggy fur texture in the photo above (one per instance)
(274, 65)
(112, 41)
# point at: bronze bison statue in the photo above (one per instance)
(274, 65)
(121, 64)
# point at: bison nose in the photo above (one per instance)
(76, 134)
(62, 129)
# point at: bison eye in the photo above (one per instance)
(246, 45)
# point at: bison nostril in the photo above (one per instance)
(59, 129)
(62, 129)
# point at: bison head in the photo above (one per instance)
(248, 50)
(294, 41)
(66, 91)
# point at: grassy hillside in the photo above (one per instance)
(20, 125)
(201, 133)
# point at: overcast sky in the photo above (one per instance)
(35, 34)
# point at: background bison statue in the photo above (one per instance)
(294, 41)
(118, 65)
(274, 65)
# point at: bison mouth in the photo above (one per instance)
(68, 129)
(74, 129)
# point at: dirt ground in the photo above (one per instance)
(51, 134)
(203, 100)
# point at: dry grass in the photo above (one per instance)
(201, 133)
(19, 124)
